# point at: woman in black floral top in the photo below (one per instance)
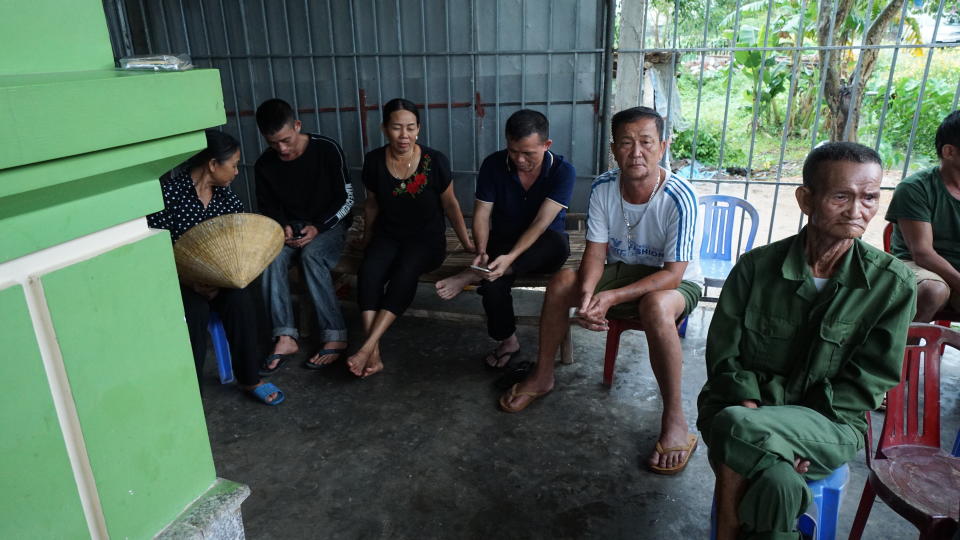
(409, 189)
(195, 192)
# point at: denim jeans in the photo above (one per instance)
(318, 258)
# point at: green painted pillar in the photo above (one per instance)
(103, 429)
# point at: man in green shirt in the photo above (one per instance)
(925, 211)
(808, 334)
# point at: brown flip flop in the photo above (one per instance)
(505, 399)
(689, 448)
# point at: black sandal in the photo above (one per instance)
(499, 359)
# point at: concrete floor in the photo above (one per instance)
(421, 450)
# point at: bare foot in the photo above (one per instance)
(284, 345)
(530, 386)
(365, 362)
(452, 286)
(374, 365)
(673, 436)
(330, 357)
(504, 352)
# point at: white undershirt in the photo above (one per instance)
(819, 282)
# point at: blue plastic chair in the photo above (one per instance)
(221, 348)
(717, 256)
(827, 494)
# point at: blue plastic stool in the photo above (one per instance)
(956, 445)
(221, 348)
(827, 494)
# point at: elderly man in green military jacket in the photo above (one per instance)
(808, 334)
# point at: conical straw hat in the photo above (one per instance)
(229, 250)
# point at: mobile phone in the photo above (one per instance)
(480, 268)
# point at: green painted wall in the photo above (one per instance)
(119, 320)
(56, 115)
(80, 28)
(39, 498)
(122, 186)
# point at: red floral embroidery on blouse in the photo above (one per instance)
(416, 182)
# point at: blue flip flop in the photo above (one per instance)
(310, 365)
(263, 391)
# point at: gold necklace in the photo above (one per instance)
(623, 210)
(405, 169)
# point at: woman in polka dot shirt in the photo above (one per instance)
(195, 192)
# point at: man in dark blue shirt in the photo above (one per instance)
(518, 224)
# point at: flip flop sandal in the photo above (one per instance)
(506, 398)
(307, 364)
(689, 448)
(263, 391)
(265, 370)
(516, 373)
(500, 364)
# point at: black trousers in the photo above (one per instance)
(391, 268)
(545, 256)
(237, 309)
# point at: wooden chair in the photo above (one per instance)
(909, 471)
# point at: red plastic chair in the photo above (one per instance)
(910, 472)
(617, 327)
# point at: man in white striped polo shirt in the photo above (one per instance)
(640, 262)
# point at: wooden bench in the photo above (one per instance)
(458, 259)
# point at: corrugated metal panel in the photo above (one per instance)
(470, 63)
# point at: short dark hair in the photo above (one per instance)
(220, 146)
(399, 104)
(835, 151)
(948, 132)
(526, 122)
(633, 114)
(273, 115)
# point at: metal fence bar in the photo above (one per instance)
(523, 57)
(756, 102)
(923, 87)
(696, 116)
(726, 103)
(233, 92)
(146, 27)
(573, 90)
(403, 79)
(893, 66)
(333, 64)
(381, 99)
(166, 28)
(856, 75)
(446, 26)
(423, 60)
(313, 68)
(246, 46)
(786, 123)
(608, 42)
(293, 68)
(823, 79)
(956, 97)
(361, 125)
(496, 88)
(474, 76)
(186, 34)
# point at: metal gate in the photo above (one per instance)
(468, 63)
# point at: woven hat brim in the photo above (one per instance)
(229, 250)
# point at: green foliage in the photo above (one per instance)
(898, 122)
(707, 148)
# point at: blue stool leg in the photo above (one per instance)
(221, 348)
(956, 445)
(682, 329)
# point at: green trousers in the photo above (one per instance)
(761, 445)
